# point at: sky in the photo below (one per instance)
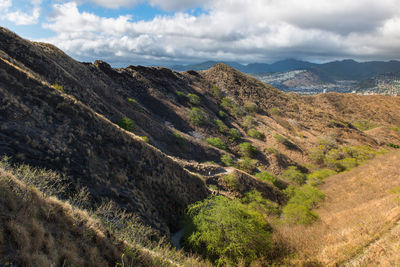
(167, 32)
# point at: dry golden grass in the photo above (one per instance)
(39, 230)
(357, 211)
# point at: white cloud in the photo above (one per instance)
(21, 18)
(18, 17)
(5, 5)
(243, 30)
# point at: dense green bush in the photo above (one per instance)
(254, 200)
(347, 157)
(193, 99)
(221, 114)
(197, 116)
(227, 160)
(126, 124)
(317, 177)
(266, 176)
(227, 103)
(292, 174)
(251, 107)
(221, 126)
(215, 141)
(247, 164)
(247, 150)
(226, 231)
(300, 205)
(234, 135)
(256, 134)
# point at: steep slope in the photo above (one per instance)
(47, 128)
(359, 209)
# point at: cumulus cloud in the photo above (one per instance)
(18, 17)
(242, 30)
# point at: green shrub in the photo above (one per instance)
(294, 175)
(272, 150)
(180, 94)
(226, 231)
(221, 126)
(248, 122)
(234, 135)
(286, 142)
(347, 157)
(232, 181)
(254, 200)
(58, 87)
(237, 111)
(132, 102)
(216, 92)
(275, 111)
(197, 116)
(247, 164)
(251, 107)
(227, 160)
(221, 114)
(247, 150)
(266, 176)
(145, 139)
(364, 125)
(179, 139)
(317, 177)
(215, 141)
(298, 210)
(256, 134)
(126, 124)
(227, 103)
(393, 146)
(193, 99)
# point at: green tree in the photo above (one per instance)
(226, 231)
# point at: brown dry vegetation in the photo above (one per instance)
(37, 229)
(358, 210)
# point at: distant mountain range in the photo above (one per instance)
(337, 70)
